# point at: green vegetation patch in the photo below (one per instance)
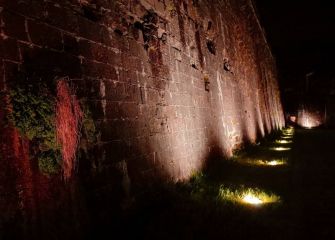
(33, 114)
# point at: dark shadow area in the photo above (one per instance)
(44, 205)
(313, 172)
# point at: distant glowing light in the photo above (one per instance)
(251, 199)
(308, 123)
(287, 137)
(284, 141)
(276, 162)
(288, 131)
(280, 148)
(309, 119)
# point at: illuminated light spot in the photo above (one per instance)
(247, 196)
(251, 199)
(310, 123)
(284, 141)
(288, 131)
(280, 148)
(266, 163)
(287, 137)
(276, 162)
(309, 119)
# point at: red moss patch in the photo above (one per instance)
(68, 120)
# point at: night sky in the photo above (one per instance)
(301, 35)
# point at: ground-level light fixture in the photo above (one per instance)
(264, 163)
(280, 148)
(275, 162)
(251, 199)
(287, 137)
(284, 141)
(247, 196)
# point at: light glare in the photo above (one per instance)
(284, 141)
(309, 119)
(280, 148)
(251, 199)
(249, 196)
(274, 162)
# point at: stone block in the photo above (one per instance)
(45, 36)
(9, 49)
(14, 26)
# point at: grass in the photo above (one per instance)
(247, 196)
(238, 200)
(263, 162)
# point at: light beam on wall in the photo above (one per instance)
(309, 119)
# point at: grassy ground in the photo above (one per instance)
(211, 205)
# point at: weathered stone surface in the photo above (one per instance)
(169, 85)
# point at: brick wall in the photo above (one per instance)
(170, 83)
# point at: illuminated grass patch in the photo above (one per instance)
(275, 163)
(288, 132)
(247, 196)
(265, 163)
(279, 149)
(283, 141)
(286, 137)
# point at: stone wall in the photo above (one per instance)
(171, 85)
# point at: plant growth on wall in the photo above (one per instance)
(49, 115)
(32, 113)
(68, 120)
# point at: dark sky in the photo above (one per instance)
(301, 35)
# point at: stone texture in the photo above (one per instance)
(155, 76)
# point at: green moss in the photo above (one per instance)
(88, 125)
(33, 114)
(33, 105)
(49, 162)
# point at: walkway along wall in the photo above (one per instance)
(165, 86)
